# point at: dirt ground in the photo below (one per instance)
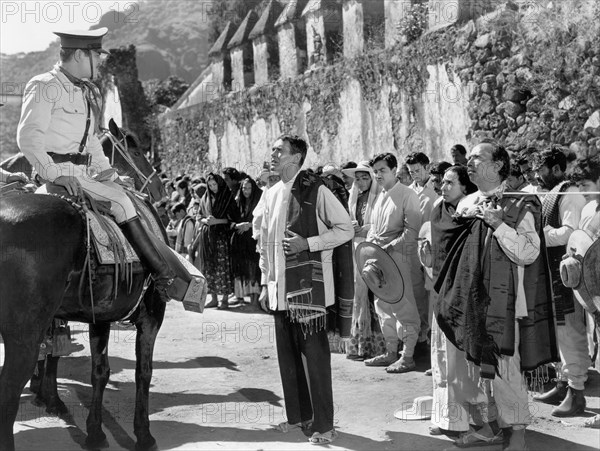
(216, 385)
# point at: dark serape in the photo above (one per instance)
(477, 295)
(305, 290)
(564, 302)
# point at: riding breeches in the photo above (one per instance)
(122, 207)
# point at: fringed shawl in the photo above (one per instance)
(477, 295)
(305, 289)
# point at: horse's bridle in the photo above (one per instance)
(123, 150)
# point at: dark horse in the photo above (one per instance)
(42, 263)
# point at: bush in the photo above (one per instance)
(414, 23)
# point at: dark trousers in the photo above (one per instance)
(291, 346)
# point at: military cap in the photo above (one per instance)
(84, 39)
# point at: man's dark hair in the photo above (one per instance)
(233, 174)
(417, 158)
(552, 157)
(182, 184)
(515, 170)
(499, 153)
(439, 167)
(587, 169)
(349, 165)
(297, 145)
(389, 159)
(459, 148)
(178, 207)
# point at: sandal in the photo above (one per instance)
(593, 422)
(380, 360)
(323, 439)
(401, 366)
(472, 438)
(286, 427)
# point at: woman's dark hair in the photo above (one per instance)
(463, 178)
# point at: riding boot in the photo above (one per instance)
(554, 396)
(149, 255)
(573, 405)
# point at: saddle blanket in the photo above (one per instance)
(102, 241)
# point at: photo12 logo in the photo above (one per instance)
(71, 12)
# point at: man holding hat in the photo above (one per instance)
(396, 222)
(60, 114)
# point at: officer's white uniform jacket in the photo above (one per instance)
(53, 118)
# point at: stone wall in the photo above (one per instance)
(481, 78)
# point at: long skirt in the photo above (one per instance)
(217, 270)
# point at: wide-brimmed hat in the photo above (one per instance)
(380, 272)
(573, 269)
(363, 166)
(419, 409)
(591, 273)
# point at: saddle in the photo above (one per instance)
(110, 252)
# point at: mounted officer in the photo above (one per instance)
(59, 117)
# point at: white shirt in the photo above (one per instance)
(396, 219)
(569, 208)
(521, 246)
(335, 228)
(590, 219)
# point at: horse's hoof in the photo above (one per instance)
(98, 442)
(149, 445)
(57, 408)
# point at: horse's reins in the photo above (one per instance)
(123, 150)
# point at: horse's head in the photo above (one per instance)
(123, 150)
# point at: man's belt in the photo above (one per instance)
(76, 158)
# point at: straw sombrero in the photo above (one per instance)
(580, 270)
(591, 273)
(380, 272)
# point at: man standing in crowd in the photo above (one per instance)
(301, 225)
(418, 168)
(396, 223)
(486, 309)
(561, 215)
(459, 154)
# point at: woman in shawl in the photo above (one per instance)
(451, 376)
(217, 211)
(366, 339)
(244, 258)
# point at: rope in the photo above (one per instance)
(123, 150)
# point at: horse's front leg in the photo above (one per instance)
(152, 312)
(99, 335)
